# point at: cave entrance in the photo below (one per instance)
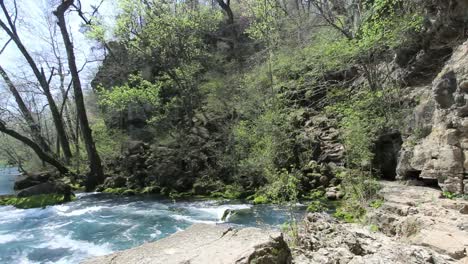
(386, 152)
(415, 176)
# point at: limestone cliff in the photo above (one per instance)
(442, 154)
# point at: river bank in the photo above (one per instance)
(421, 226)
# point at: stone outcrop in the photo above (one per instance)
(440, 156)
(414, 225)
(324, 240)
(202, 243)
(420, 216)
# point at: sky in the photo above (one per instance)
(33, 31)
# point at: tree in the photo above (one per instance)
(35, 147)
(34, 127)
(96, 175)
(9, 27)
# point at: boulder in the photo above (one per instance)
(115, 182)
(46, 188)
(29, 180)
(203, 243)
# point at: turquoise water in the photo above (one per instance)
(7, 180)
(98, 224)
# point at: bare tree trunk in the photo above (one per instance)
(37, 149)
(34, 127)
(96, 173)
(44, 83)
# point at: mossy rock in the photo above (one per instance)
(36, 201)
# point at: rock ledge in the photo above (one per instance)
(203, 243)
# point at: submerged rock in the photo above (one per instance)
(202, 243)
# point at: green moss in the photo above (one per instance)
(174, 195)
(150, 189)
(374, 228)
(118, 191)
(36, 201)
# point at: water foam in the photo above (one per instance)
(187, 218)
(219, 211)
(84, 247)
(83, 211)
(7, 238)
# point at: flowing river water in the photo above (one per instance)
(97, 224)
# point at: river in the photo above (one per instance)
(7, 179)
(98, 224)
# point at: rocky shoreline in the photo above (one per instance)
(419, 227)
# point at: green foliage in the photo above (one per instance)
(260, 199)
(282, 190)
(266, 23)
(291, 228)
(231, 192)
(36, 201)
(108, 141)
(374, 228)
(361, 190)
(376, 204)
(386, 24)
(318, 201)
(351, 213)
(316, 206)
(136, 91)
(361, 117)
(449, 195)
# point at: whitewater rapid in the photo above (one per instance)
(97, 224)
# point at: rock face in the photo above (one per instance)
(418, 215)
(324, 240)
(441, 155)
(202, 243)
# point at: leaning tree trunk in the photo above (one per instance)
(34, 127)
(44, 83)
(34, 146)
(96, 173)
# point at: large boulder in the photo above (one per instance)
(28, 180)
(46, 188)
(202, 243)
